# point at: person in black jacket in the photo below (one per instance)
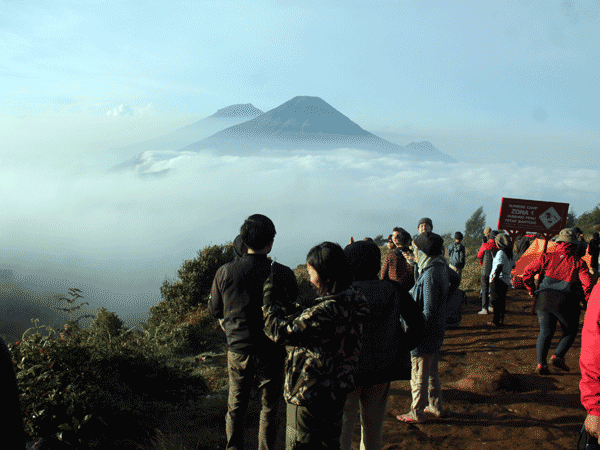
(384, 355)
(236, 300)
(11, 421)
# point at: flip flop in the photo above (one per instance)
(407, 419)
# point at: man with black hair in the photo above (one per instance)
(236, 300)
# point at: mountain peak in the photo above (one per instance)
(239, 110)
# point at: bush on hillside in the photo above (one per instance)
(75, 383)
(181, 322)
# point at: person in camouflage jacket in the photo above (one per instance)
(323, 344)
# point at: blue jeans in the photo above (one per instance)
(548, 321)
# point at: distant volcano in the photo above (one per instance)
(182, 137)
(306, 123)
(241, 110)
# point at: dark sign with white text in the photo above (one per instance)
(532, 215)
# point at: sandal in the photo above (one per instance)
(407, 418)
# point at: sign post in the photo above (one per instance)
(518, 216)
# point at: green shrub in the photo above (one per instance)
(195, 277)
(75, 383)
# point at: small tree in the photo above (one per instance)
(571, 219)
(474, 228)
(589, 221)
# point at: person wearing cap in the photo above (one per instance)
(425, 225)
(557, 297)
(486, 254)
(502, 266)
(395, 266)
(435, 285)
(385, 351)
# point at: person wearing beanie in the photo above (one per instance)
(558, 299)
(425, 225)
(436, 283)
(395, 266)
(486, 254)
(456, 254)
(385, 351)
(502, 266)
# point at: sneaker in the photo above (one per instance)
(490, 309)
(560, 363)
(483, 311)
(542, 369)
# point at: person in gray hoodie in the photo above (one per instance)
(431, 292)
(393, 327)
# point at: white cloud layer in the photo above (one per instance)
(131, 229)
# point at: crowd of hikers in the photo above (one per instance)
(332, 359)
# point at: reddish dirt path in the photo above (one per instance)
(519, 410)
(486, 410)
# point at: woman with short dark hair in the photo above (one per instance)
(323, 344)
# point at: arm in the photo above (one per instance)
(461, 257)
(289, 329)
(385, 269)
(586, 280)
(530, 271)
(215, 300)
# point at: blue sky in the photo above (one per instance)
(510, 89)
(524, 67)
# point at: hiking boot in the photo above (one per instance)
(560, 363)
(483, 312)
(542, 369)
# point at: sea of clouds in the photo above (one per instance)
(70, 222)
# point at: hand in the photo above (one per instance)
(492, 279)
(591, 425)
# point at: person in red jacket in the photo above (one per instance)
(486, 254)
(557, 297)
(589, 363)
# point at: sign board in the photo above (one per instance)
(546, 218)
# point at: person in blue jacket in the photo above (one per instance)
(431, 291)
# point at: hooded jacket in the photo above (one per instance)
(431, 292)
(559, 271)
